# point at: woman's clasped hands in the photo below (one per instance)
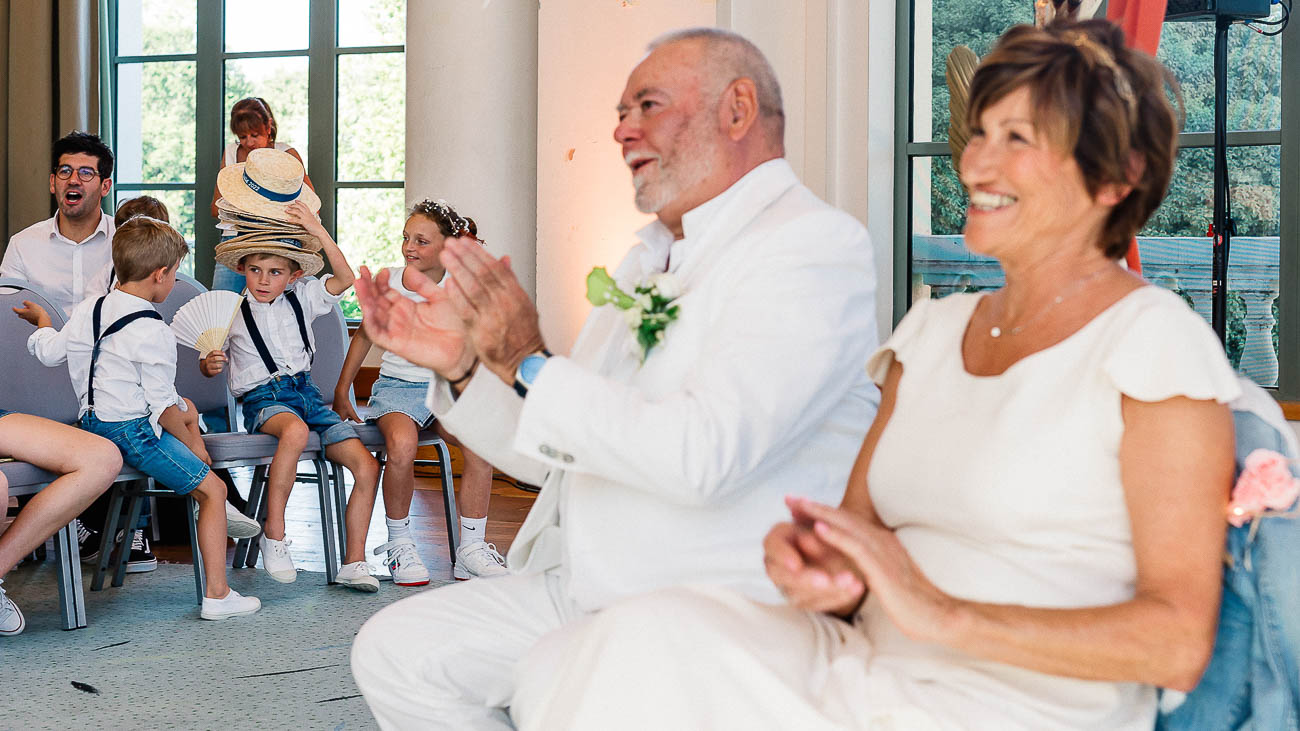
(827, 559)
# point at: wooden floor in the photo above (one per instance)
(508, 508)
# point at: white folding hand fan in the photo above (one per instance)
(204, 322)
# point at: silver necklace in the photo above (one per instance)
(996, 332)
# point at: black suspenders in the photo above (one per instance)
(258, 342)
(120, 323)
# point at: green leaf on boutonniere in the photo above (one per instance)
(602, 290)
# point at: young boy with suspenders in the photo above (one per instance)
(122, 360)
(270, 353)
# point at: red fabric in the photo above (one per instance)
(1141, 21)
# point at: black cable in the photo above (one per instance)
(1279, 24)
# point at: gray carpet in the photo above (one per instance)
(147, 661)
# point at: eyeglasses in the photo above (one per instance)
(84, 174)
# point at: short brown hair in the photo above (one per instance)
(145, 205)
(1104, 103)
(450, 223)
(143, 245)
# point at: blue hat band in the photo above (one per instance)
(270, 194)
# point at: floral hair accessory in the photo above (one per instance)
(1265, 488)
(648, 311)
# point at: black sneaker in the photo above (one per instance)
(87, 543)
(140, 560)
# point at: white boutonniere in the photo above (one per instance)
(648, 311)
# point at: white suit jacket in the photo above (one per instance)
(672, 471)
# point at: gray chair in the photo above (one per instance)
(31, 388)
(332, 342)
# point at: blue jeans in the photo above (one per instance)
(164, 458)
(295, 395)
(1252, 679)
(223, 277)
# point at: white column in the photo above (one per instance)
(471, 118)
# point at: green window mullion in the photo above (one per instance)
(209, 132)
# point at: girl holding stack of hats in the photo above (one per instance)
(271, 345)
(253, 124)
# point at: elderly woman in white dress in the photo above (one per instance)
(1032, 532)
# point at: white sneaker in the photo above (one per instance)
(276, 559)
(404, 563)
(356, 575)
(11, 618)
(233, 605)
(239, 525)
(478, 559)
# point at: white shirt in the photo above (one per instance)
(68, 271)
(279, 328)
(672, 471)
(231, 154)
(392, 364)
(135, 375)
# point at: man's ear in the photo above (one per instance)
(51, 183)
(297, 274)
(160, 274)
(104, 187)
(739, 108)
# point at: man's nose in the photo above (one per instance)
(627, 129)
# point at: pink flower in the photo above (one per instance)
(1265, 483)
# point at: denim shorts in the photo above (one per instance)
(393, 395)
(295, 395)
(164, 458)
(4, 413)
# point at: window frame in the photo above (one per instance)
(210, 59)
(1287, 138)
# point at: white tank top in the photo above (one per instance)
(392, 364)
(232, 150)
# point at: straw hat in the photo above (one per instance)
(232, 251)
(304, 240)
(265, 183)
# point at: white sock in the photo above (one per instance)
(472, 530)
(400, 528)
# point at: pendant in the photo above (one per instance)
(995, 332)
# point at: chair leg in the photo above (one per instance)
(340, 506)
(72, 600)
(200, 579)
(328, 522)
(107, 539)
(124, 551)
(246, 548)
(449, 499)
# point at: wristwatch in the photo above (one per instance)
(528, 369)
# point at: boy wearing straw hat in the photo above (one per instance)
(270, 353)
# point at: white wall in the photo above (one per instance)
(585, 215)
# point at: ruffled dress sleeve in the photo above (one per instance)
(1166, 350)
(903, 340)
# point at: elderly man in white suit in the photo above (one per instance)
(654, 473)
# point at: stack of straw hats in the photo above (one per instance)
(254, 195)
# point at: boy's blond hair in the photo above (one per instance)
(143, 245)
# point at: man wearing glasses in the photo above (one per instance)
(70, 256)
